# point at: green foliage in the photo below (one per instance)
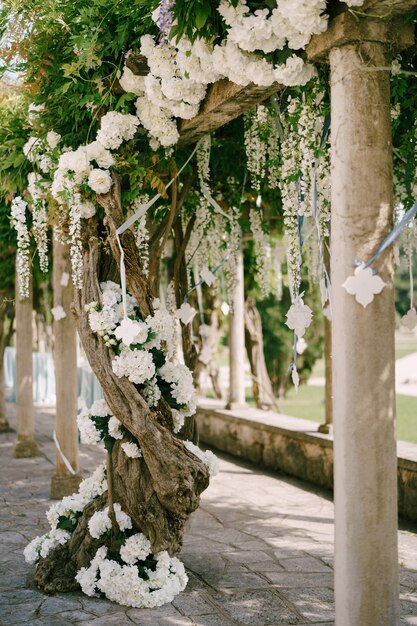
(72, 54)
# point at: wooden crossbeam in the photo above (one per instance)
(224, 102)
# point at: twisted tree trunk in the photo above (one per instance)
(160, 490)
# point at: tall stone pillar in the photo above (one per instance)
(365, 465)
(327, 427)
(237, 340)
(26, 445)
(64, 482)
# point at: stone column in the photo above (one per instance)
(366, 558)
(327, 427)
(237, 340)
(26, 445)
(63, 482)
(365, 484)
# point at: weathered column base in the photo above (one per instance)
(325, 429)
(235, 406)
(5, 427)
(64, 485)
(25, 449)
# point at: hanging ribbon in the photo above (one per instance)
(132, 219)
(410, 268)
(63, 457)
(392, 236)
(216, 206)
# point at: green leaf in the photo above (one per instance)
(202, 14)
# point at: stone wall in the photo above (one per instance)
(293, 446)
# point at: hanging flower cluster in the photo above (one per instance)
(180, 72)
(18, 213)
(143, 349)
(97, 424)
(64, 515)
(262, 250)
(304, 181)
(256, 123)
(133, 576)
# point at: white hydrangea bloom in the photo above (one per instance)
(32, 550)
(103, 321)
(136, 365)
(100, 522)
(181, 380)
(98, 153)
(116, 128)
(53, 139)
(100, 181)
(163, 325)
(135, 548)
(100, 408)
(115, 428)
(132, 83)
(88, 432)
(132, 450)
(207, 457)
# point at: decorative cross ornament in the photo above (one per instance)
(299, 316)
(64, 279)
(206, 354)
(364, 284)
(58, 313)
(186, 313)
(207, 276)
(131, 331)
(409, 320)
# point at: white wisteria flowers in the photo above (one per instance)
(18, 213)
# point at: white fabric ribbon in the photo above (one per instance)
(216, 206)
(63, 457)
(132, 219)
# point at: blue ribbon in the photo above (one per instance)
(392, 236)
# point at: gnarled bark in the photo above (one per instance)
(160, 490)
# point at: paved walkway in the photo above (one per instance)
(258, 552)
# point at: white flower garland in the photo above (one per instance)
(63, 516)
(18, 213)
(40, 232)
(262, 251)
(133, 341)
(256, 146)
(138, 582)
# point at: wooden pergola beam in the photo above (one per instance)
(224, 102)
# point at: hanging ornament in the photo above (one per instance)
(225, 308)
(206, 354)
(299, 316)
(131, 331)
(58, 313)
(409, 320)
(295, 378)
(207, 276)
(364, 285)
(64, 279)
(301, 345)
(186, 313)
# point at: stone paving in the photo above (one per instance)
(258, 551)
